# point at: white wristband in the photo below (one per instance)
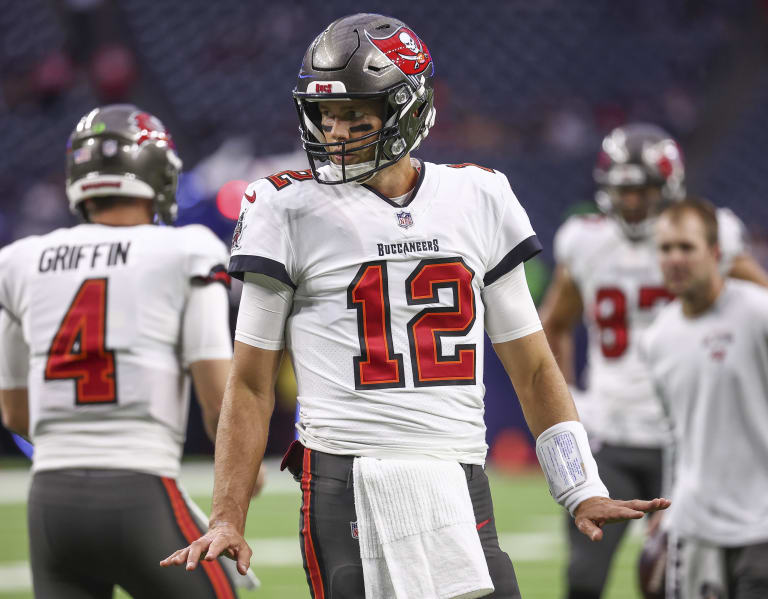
(567, 462)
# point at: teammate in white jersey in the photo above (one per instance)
(607, 272)
(101, 325)
(708, 356)
(378, 273)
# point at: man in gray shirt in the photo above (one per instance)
(708, 356)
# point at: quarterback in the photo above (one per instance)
(378, 272)
(100, 326)
(607, 271)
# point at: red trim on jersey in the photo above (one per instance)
(221, 277)
(191, 532)
(315, 576)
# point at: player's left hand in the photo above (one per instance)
(592, 513)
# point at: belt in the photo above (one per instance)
(331, 465)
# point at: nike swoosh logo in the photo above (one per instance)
(483, 523)
(251, 198)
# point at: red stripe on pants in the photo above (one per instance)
(191, 532)
(309, 548)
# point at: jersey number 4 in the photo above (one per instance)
(611, 315)
(378, 366)
(77, 351)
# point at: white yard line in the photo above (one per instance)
(15, 576)
(13, 486)
(196, 477)
(284, 551)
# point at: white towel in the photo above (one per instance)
(417, 531)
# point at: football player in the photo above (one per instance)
(708, 357)
(101, 325)
(378, 272)
(607, 272)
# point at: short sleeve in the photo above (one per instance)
(205, 329)
(514, 241)
(260, 243)
(509, 309)
(732, 237)
(264, 307)
(14, 353)
(206, 256)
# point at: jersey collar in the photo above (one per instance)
(421, 168)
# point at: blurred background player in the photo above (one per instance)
(100, 326)
(607, 273)
(708, 356)
(379, 272)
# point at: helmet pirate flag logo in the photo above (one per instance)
(149, 128)
(406, 51)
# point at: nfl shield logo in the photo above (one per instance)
(353, 530)
(404, 219)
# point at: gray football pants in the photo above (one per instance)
(747, 571)
(329, 548)
(629, 473)
(92, 529)
(699, 570)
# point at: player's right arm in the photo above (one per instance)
(560, 311)
(207, 348)
(249, 397)
(210, 379)
(14, 405)
(14, 366)
(205, 338)
(241, 440)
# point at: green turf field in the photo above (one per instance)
(529, 523)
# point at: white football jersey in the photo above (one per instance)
(386, 328)
(101, 312)
(622, 290)
(711, 374)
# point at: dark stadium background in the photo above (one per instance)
(528, 88)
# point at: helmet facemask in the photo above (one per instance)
(388, 142)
